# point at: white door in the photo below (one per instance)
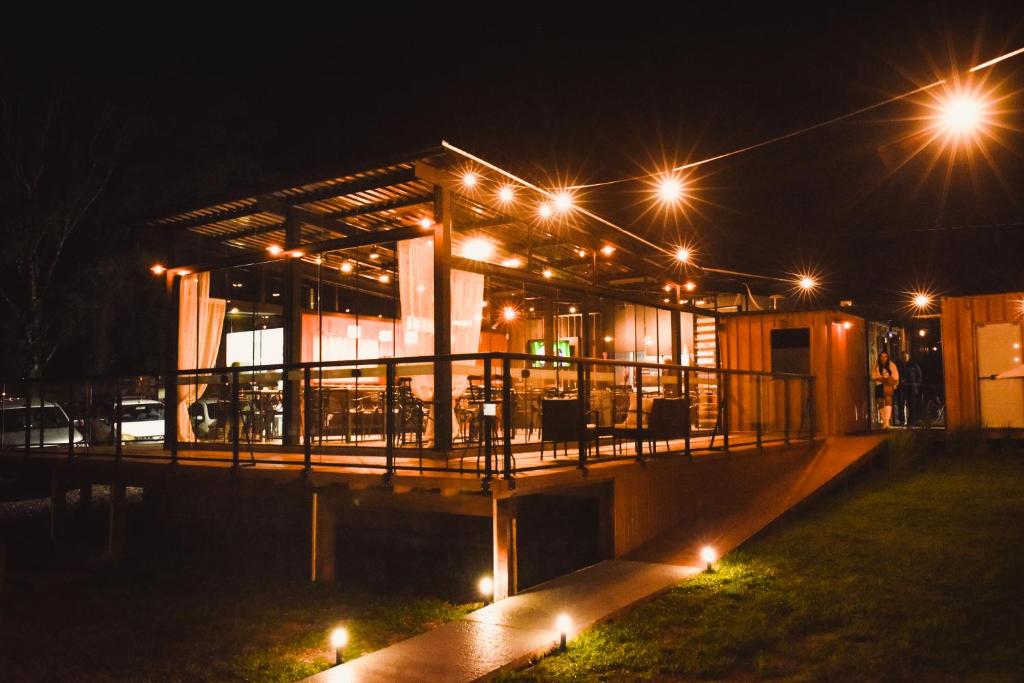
(1002, 400)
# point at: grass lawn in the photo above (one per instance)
(906, 576)
(148, 621)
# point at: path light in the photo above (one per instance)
(158, 269)
(486, 588)
(563, 623)
(708, 555)
(339, 639)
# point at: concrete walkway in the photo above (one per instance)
(752, 491)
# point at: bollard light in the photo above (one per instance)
(708, 555)
(339, 639)
(563, 623)
(486, 588)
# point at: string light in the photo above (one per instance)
(469, 179)
(670, 190)
(509, 313)
(807, 283)
(514, 262)
(384, 278)
(548, 273)
(607, 250)
(297, 253)
(690, 286)
(544, 210)
(274, 249)
(346, 267)
(506, 194)
(158, 269)
(683, 254)
(426, 223)
(563, 201)
(922, 300)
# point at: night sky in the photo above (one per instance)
(221, 109)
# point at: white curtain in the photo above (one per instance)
(200, 323)
(416, 292)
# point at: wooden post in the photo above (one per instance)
(58, 503)
(442, 319)
(322, 539)
(116, 519)
(503, 525)
(172, 292)
(292, 305)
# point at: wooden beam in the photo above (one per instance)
(206, 219)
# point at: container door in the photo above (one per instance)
(1002, 400)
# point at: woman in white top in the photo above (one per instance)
(887, 378)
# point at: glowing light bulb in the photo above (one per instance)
(158, 269)
(346, 267)
(962, 114)
(548, 273)
(426, 223)
(922, 300)
(470, 179)
(563, 201)
(384, 278)
(486, 586)
(544, 210)
(670, 190)
(506, 194)
(478, 249)
(514, 262)
(690, 286)
(607, 250)
(708, 555)
(274, 249)
(509, 313)
(339, 637)
(807, 283)
(683, 255)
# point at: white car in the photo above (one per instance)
(142, 419)
(48, 424)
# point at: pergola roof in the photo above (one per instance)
(400, 193)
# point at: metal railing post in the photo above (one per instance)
(506, 390)
(638, 380)
(389, 420)
(28, 417)
(117, 420)
(689, 410)
(785, 410)
(171, 412)
(236, 417)
(723, 379)
(488, 421)
(307, 422)
(758, 412)
(71, 422)
(42, 416)
(581, 416)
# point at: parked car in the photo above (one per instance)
(142, 419)
(48, 424)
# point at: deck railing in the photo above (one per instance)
(510, 413)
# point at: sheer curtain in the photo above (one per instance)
(200, 323)
(416, 292)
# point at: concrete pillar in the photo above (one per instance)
(85, 498)
(506, 563)
(322, 539)
(116, 519)
(58, 504)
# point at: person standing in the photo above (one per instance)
(887, 378)
(910, 387)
